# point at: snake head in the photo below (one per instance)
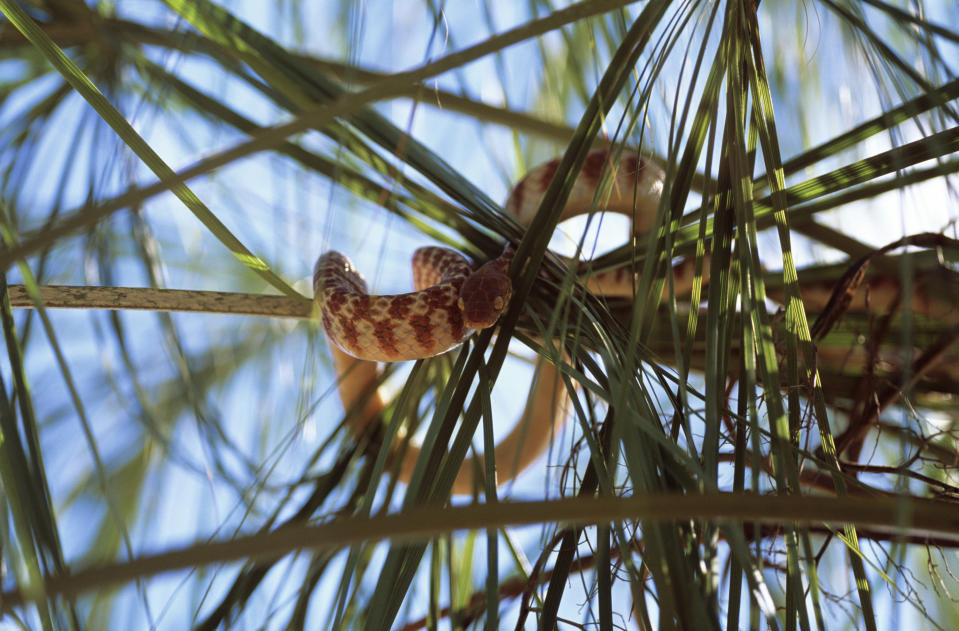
(485, 294)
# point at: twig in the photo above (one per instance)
(149, 299)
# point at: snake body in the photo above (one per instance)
(452, 299)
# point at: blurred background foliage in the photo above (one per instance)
(193, 145)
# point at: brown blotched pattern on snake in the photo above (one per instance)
(419, 324)
(429, 321)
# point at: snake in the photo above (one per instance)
(452, 299)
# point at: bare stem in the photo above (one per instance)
(148, 299)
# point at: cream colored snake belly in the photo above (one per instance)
(451, 300)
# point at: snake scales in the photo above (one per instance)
(451, 300)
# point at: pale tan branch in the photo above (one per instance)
(148, 299)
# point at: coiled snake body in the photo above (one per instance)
(452, 300)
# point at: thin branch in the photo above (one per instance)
(148, 299)
(899, 515)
